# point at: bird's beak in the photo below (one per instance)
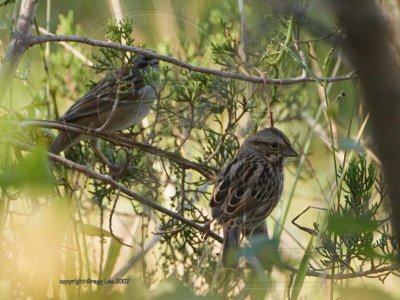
(290, 152)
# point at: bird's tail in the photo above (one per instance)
(230, 246)
(64, 140)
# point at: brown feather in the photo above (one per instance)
(250, 186)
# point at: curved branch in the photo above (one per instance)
(35, 40)
(70, 48)
(126, 142)
(108, 180)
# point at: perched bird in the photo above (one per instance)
(96, 109)
(249, 187)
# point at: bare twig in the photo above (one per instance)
(306, 229)
(269, 111)
(110, 222)
(113, 110)
(70, 48)
(35, 40)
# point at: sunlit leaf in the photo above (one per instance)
(112, 257)
(92, 230)
(32, 172)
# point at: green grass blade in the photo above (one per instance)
(299, 279)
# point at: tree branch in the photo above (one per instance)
(126, 142)
(70, 48)
(108, 180)
(18, 45)
(35, 40)
(389, 269)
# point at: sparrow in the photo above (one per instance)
(249, 187)
(125, 89)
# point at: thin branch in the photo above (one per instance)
(35, 40)
(114, 107)
(306, 229)
(126, 142)
(139, 198)
(110, 222)
(70, 48)
(391, 268)
(17, 46)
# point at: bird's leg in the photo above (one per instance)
(115, 169)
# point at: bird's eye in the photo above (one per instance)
(274, 145)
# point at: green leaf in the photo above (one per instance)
(112, 257)
(92, 230)
(299, 279)
(32, 172)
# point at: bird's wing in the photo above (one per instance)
(241, 188)
(222, 187)
(102, 96)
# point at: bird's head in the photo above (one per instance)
(272, 144)
(142, 62)
(146, 68)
